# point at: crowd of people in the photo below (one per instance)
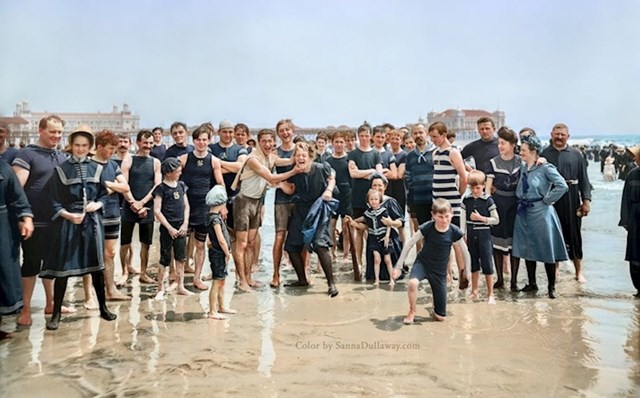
(501, 198)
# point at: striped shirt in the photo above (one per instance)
(445, 179)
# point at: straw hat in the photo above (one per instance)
(85, 131)
(634, 151)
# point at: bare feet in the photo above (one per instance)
(189, 269)
(207, 277)
(408, 320)
(438, 318)
(117, 296)
(4, 335)
(199, 285)
(90, 304)
(63, 310)
(227, 311)
(376, 283)
(159, 296)
(492, 300)
(580, 278)
(122, 281)
(185, 292)
(172, 286)
(132, 271)
(391, 284)
(244, 287)
(146, 279)
(25, 318)
(473, 295)
(275, 282)
(254, 283)
(217, 316)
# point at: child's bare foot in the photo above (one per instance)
(227, 311)
(48, 310)
(408, 320)
(474, 295)
(90, 304)
(391, 284)
(159, 295)
(217, 316)
(492, 300)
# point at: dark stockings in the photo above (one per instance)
(634, 270)
(515, 267)
(59, 289)
(498, 260)
(532, 286)
(324, 256)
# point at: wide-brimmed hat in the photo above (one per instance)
(84, 130)
(634, 151)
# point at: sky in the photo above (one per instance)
(328, 62)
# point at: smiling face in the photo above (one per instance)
(201, 142)
(505, 147)
(157, 136)
(51, 135)
(285, 133)
(527, 154)
(409, 144)
(301, 156)
(179, 135)
(378, 185)
(266, 143)
(80, 146)
(144, 145)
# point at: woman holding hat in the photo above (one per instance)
(537, 234)
(78, 194)
(630, 217)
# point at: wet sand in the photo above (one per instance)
(287, 341)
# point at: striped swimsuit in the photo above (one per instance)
(445, 180)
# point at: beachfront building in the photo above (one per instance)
(463, 121)
(24, 123)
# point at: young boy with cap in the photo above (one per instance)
(219, 251)
(171, 208)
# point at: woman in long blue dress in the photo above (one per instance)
(78, 194)
(537, 234)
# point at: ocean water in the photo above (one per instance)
(606, 139)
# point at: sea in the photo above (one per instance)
(602, 140)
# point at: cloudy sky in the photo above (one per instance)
(327, 62)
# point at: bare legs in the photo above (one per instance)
(199, 263)
(278, 246)
(216, 301)
(109, 268)
(241, 258)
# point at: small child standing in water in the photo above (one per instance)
(478, 213)
(171, 209)
(378, 237)
(219, 251)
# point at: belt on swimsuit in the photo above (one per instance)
(504, 193)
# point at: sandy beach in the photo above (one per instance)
(293, 342)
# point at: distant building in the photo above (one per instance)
(116, 121)
(463, 121)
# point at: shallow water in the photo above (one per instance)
(300, 342)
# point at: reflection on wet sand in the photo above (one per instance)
(299, 342)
